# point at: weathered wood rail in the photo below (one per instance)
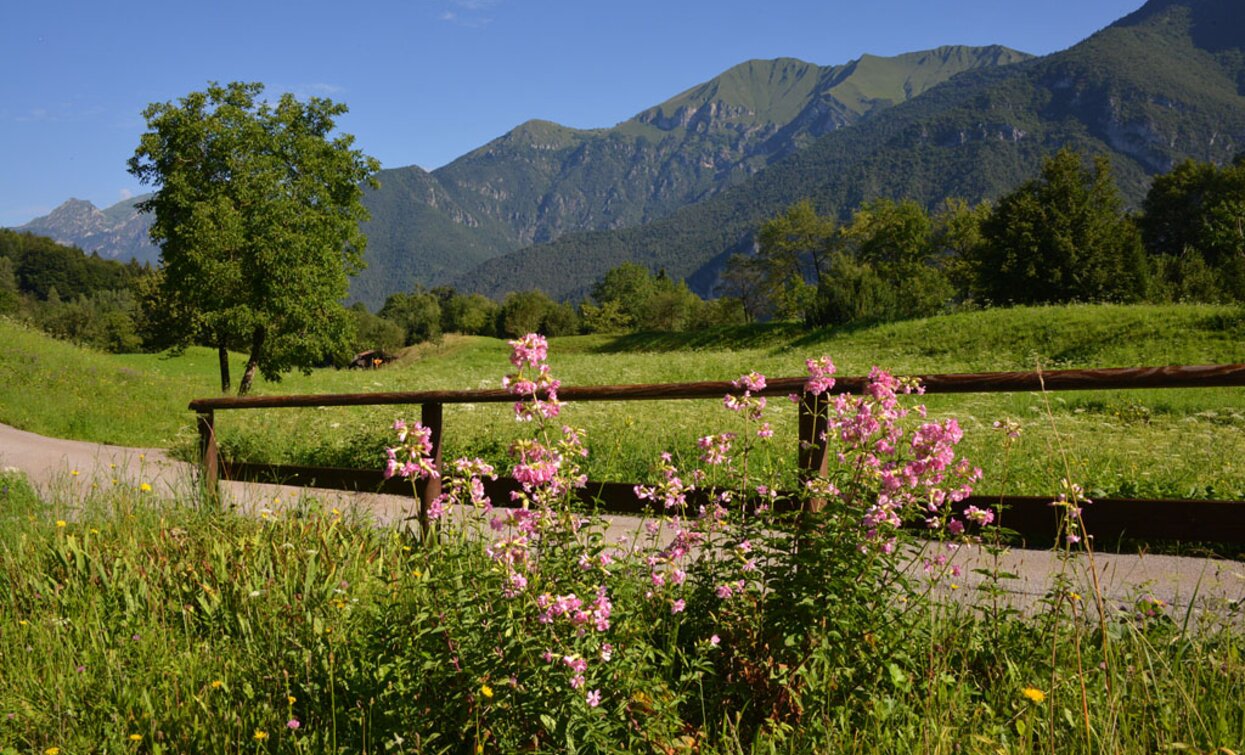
(1031, 516)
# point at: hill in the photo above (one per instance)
(542, 180)
(118, 232)
(1162, 84)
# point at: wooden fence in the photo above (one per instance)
(1107, 518)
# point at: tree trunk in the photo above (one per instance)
(223, 353)
(252, 362)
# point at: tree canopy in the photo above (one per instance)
(1062, 236)
(257, 210)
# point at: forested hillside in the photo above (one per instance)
(1160, 85)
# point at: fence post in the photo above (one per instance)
(813, 457)
(209, 457)
(431, 416)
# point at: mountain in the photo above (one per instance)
(1164, 83)
(118, 232)
(541, 180)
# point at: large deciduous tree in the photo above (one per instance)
(795, 248)
(1195, 216)
(257, 211)
(1062, 237)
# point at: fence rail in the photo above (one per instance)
(1031, 516)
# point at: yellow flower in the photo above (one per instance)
(292, 699)
(52, 751)
(1075, 596)
(486, 690)
(1034, 695)
(337, 512)
(217, 684)
(60, 523)
(260, 735)
(136, 737)
(145, 488)
(23, 622)
(74, 473)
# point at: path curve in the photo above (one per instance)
(69, 467)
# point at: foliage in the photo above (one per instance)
(629, 297)
(257, 210)
(417, 315)
(535, 312)
(106, 320)
(372, 332)
(1194, 216)
(9, 294)
(1062, 237)
(792, 248)
(470, 314)
(40, 264)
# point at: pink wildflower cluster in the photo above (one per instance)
(533, 382)
(921, 476)
(412, 457)
(820, 373)
(671, 491)
(716, 448)
(580, 614)
(746, 403)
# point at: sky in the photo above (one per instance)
(428, 80)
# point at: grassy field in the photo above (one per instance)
(1146, 443)
(129, 624)
(132, 624)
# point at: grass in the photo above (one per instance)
(129, 624)
(1171, 443)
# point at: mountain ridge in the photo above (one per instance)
(1141, 90)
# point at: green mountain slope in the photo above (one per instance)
(541, 180)
(1160, 85)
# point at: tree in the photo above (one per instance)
(1063, 236)
(9, 298)
(795, 247)
(418, 314)
(1195, 214)
(257, 210)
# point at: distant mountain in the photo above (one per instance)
(118, 232)
(1164, 83)
(542, 180)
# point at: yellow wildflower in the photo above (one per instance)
(60, 523)
(486, 690)
(145, 488)
(292, 699)
(136, 737)
(1034, 695)
(260, 735)
(217, 684)
(74, 473)
(52, 751)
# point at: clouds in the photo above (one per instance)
(471, 14)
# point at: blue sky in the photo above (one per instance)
(428, 80)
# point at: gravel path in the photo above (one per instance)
(71, 468)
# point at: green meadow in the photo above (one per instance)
(132, 624)
(1149, 443)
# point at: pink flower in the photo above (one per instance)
(594, 698)
(293, 724)
(678, 606)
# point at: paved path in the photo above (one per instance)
(70, 468)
